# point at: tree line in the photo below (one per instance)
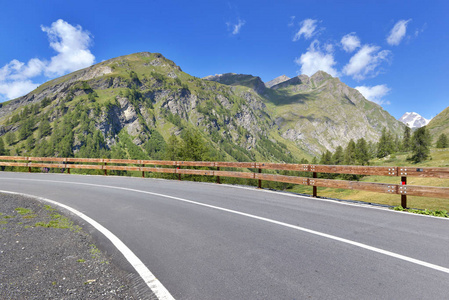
(361, 152)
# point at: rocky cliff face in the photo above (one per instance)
(320, 112)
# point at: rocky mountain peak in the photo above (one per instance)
(413, 120)
(276, 81)
(320, 76)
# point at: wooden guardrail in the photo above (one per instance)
(177, 167)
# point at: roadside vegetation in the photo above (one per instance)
(435, 157)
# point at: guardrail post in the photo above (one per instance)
(179, 175)
(404, 192)
(314, 175)
(218, 177)
(260, 180)
(29, 168)
(105, 170)
(143, 172)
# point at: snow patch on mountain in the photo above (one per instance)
(414, 120)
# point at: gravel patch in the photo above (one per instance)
(45, 255)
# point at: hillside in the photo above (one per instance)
(320, 112)
(132, 107)
(439, 124)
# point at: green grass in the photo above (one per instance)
(435, 213)
(439, 159)
(439, 124)
(57, 221)
(23, 211)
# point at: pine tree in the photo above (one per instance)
(26, 128)
(44, 128)
(396, 145)
(29, 143)
(361, 152)
(372, 149)
(156, 145)
(173, 147)
(406, 139)
(338, 156)
(420, 145)
(10, 137)
(385, 145)
(326, 158)
(193, 147)
(350, 153)
(2, 148)
(442, 141)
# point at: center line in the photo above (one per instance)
(325, 235)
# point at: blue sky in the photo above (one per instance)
(394, 52)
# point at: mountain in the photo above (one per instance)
(132, 107)
(276, 81)
(439, 124)
(413, 120)
(321, 113)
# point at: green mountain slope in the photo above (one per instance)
(320, 112)
(132, 106)
(439, 124)
(127, 105)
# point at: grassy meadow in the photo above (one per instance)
(440, 158)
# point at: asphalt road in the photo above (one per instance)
(209, 241)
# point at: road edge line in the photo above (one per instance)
(148, 277)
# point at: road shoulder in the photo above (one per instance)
(45, 254)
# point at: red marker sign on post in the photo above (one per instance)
(404, 192)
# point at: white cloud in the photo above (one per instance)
(308, 29)
(329, 48)
(236, 27)
(315, 60)
(16, 70)
(375, 93)
(72, 46)
(398, 32)
(365, 62)
(14, 89)
(350, 42)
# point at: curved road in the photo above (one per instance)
(208, 241)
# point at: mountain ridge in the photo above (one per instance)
(142, 95)
(414, 120)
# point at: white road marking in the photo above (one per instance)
(153, 283)
(325, 235)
